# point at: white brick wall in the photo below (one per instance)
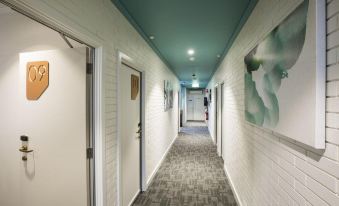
(100, 21)
(267, 169)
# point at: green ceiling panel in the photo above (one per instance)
(207, 26)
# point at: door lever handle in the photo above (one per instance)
(25, 149)
(139, 131)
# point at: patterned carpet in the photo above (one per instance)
(191, 174)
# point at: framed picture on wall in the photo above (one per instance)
(168, 95)
(285, 76)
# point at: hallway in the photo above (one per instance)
(169, 103)
(191, 174)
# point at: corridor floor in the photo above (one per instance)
(191, 174)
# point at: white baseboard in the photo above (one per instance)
(149, 181)
(236, 195)
(213, 139)
(133, 199)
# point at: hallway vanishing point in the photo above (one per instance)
(191, 174)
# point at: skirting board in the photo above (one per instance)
(149, 181)
(211, 136)
(237, 199)
(133, 199)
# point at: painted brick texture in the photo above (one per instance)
(101, 20)
(265, 168)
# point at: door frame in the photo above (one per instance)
(179, 109)
(219, 117)
(216, 114)
(98, 189)
(222, 102)
(126, 60)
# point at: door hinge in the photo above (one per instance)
(89, 68)
(89, 153)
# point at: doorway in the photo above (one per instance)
(195, 106)
(216, 115)
(179, 111)
(130, 133)
(221, 119)
(46, 132)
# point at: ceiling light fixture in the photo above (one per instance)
(190, 52)
(218, 55)
(151, 37)
(192, 58)
(195, 84)
(195, 81)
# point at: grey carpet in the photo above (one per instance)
(191, 174)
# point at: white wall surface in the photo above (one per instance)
(99, 23)
(266, 169)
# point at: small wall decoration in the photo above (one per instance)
(37, 79)
(285, 77)
(168, 95)
(134, 86)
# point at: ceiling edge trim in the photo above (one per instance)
(137, 27)
(242, 21)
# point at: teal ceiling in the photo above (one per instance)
(207, 26)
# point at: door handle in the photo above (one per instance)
(25, 149)
(139, 131)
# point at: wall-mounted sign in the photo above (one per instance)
(134, 86)
(37, 79)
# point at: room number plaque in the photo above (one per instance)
(134, 86)
(37, 79)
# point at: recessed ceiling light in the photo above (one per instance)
(151, 37)
(192, 58)
(190, 52)
(218, 55)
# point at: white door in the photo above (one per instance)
(130, 138)
(55, 172)
(190, 107)
(195, 107)
(199, 109)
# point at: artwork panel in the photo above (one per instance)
(282, 82)
(168, 95)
